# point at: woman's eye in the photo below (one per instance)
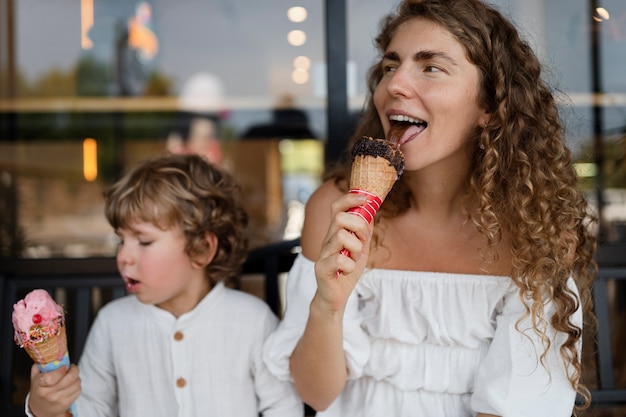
(145, 243)
(432, 68)
(388, 68)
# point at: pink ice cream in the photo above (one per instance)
(36, 317)
(39, 325)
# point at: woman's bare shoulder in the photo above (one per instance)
(318, 217)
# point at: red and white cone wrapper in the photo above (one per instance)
(366, 211)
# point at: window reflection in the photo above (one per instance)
(145, 77)
(142, 78)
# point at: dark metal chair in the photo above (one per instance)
(75, 280)
(611, 260)
(271, 261)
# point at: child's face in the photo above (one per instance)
(155, 268)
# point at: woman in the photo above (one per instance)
(466, 296)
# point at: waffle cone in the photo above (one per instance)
(373, 174)
(50, 350)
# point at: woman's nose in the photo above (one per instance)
(399, 84)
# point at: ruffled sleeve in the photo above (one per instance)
(300, 289)
(511, 381)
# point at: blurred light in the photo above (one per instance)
(86, 23)
(302, 62)
(296, 37)
(586, 169)
(90, 159)
(601, 14)
(297, 14)
(203, 92)
(285, 147)
(300, 76)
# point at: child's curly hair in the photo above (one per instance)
(522, 178)
(186, 192)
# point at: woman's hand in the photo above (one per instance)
(318, 363)
(336, 272)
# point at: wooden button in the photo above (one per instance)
(181, 382)
(178, 336)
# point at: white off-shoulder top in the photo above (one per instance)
(432, 344)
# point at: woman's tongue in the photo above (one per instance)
(402, 132)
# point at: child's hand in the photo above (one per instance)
(52, 393)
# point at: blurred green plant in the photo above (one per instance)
(614, 164)
(90, 78)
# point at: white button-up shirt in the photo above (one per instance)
(140, 360)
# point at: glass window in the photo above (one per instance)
(89, 88)
(94, 86)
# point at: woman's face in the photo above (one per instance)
(427, 99)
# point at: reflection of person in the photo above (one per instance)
(197, 129)
(136, 46)
(457, 301)
(288, 121)
(201, 138)
(141, 37)
(183, 344)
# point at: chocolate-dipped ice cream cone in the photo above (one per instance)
(376, 166)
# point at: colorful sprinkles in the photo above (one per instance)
(38, 333)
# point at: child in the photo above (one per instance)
(466, 297)
(182, 343)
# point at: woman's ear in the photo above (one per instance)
(483, 119)
(210, 249)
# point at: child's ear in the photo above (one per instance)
(207, 255)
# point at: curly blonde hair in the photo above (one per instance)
(187, 192)
(521, 175)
